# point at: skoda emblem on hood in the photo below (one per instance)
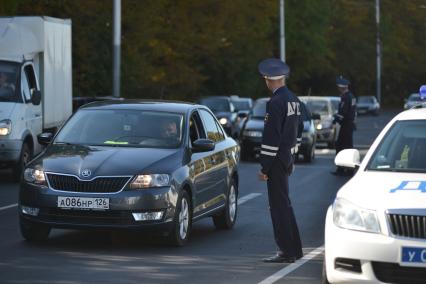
(86, 173)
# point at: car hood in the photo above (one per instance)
(386, 190)
(104, 161)
(6, 109)
(255, 124)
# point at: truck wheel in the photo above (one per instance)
(25, 157)
(182, 221)
(33, 232)
(226, 219)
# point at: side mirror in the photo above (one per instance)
(36, 97)
(202, 145)
(45, 138)
(348, 158)
(316, 116)
(242, 114)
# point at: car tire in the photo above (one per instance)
(33, 232)
(24, 158)
(227, 217)
(309, 155)
(182, 221)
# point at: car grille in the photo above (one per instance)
(89, 217)
(410, 226)
(97, 185)
(394, 273)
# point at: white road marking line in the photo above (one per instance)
(247, 197)
(290, 268)
(8, 206)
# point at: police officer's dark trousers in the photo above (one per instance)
(345, 138)
(284, 222)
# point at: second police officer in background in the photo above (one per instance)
(345, 117)
(283, 127)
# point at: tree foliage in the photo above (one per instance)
(185, 49)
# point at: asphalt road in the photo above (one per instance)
(211, 256)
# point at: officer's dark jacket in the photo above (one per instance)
(283, 129)
(347, 109)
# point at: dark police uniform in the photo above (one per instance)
(345, 117)
(283, 129)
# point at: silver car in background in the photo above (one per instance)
(325, 107)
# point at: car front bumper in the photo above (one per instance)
(10, 151)
(118, 216)
(377, 254)
(325, 135)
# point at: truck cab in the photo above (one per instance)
(35, 85)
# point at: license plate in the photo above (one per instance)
(83, 203)
(413, 255)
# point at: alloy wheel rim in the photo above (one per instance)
(232, 203)
(183, 219)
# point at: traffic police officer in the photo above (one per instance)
(345, 117)
(283, 127)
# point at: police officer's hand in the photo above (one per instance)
(262, 176)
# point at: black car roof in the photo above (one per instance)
(158, 105)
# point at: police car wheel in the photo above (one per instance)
(33, 232)
(226, 219)
(182, 221)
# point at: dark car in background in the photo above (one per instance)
(224, 111)
(150, 166)
(243, 106)
(367, 105)
(251, 134)
(325, 107)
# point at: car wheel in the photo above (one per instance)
(24, 158)
(182, 221)
(33, 232)
(309, 155)
(226, 219)
(324, 279)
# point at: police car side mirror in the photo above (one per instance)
(348, 158)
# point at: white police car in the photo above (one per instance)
(376, 228)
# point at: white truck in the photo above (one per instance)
(35, 84)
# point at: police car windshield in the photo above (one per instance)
(8, 82)
(123, 128)
(402, 149)
(259, 109)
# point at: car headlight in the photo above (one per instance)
(349, 216)
(223, 120)
(5, 127)
(35, 176)
(146, 181)
(252, 133)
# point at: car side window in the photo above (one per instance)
(195, 128)
(29, 84)
(211, 126)
(220, 130)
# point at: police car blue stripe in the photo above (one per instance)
(268, 153)
(267, 147)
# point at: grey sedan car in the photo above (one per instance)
(151, 166)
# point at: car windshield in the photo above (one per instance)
(259, 109)
(216, 105)
(366, 100)
(414, 98)
(123, 128)
(402, 149)
(241, 105)
(8, 80)
(318, 106)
